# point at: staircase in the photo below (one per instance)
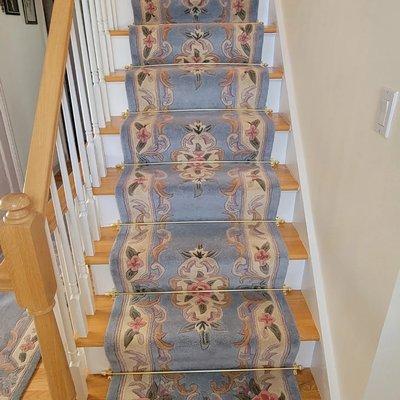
(114, 289)
(115, 146)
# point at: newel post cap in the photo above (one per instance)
(16, 205)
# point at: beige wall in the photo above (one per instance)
(342, 52)
(21, 55)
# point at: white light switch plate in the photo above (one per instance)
(386, 111)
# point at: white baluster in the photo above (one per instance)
(73, 293)
(105, 38)
(91, 151)
(70, 132)
(89, 206)
(76, 358)
(113, 14)
(97, 50)
(89, 62)
(85, 283)
(101, 36)
(93, 91)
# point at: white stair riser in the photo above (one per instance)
(109, 214)
(119, 102)
(125, 13)
(103, 283)
(97, 361)
(122, 52)
(113, 149)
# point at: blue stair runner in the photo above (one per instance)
(199, 264)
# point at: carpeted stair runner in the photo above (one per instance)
(198, 264)
(222, 256)
(198, 192)
(181, 11)
(197, 86)
(196, 43)
(212, 135)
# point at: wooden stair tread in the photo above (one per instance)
(125, 32)
(98, 386)
(119, 75)
(109, 182)
(102, 248)
(113, 127)
(97, 324)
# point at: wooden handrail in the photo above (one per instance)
(41, 153)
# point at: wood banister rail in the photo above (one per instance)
(41, 153)
(28, 268)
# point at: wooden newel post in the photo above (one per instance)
(24, 243)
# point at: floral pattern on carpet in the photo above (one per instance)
(217, 135)
(198, 263)
(211, 86)
(196, 43)
(19, 348)
(183, 11)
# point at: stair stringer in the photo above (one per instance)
(323, 362)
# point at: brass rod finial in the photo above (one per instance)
(116, 224)
(113, 293)
(297, 368)
(286, 290)
(279, 221)
(274, 163)
(120, 167)
(269, 111)
(107, 374)
(125, 114)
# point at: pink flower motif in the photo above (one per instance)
(202, 289)
(261, 256)
(25, 347)
(238, 6)
(151, 8)
(243, 38)
(252, 132)
(137, 324)
(265, 395)
(198, 155)
(149, 40)
(268, 319)
(135, 263)
(143, 135)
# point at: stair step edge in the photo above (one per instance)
(97, 323)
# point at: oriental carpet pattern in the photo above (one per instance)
(198, 199)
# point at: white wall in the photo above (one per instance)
(342, 52)
(21, 53)
(384, 378)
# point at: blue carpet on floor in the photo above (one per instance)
(19, 348)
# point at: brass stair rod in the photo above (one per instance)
(277, 221)
(201, 65)
(284, 289)
(268, 111)
(271, 162)
(296, 368)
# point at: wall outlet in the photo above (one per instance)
(386, 111)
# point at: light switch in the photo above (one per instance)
(386, 111)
